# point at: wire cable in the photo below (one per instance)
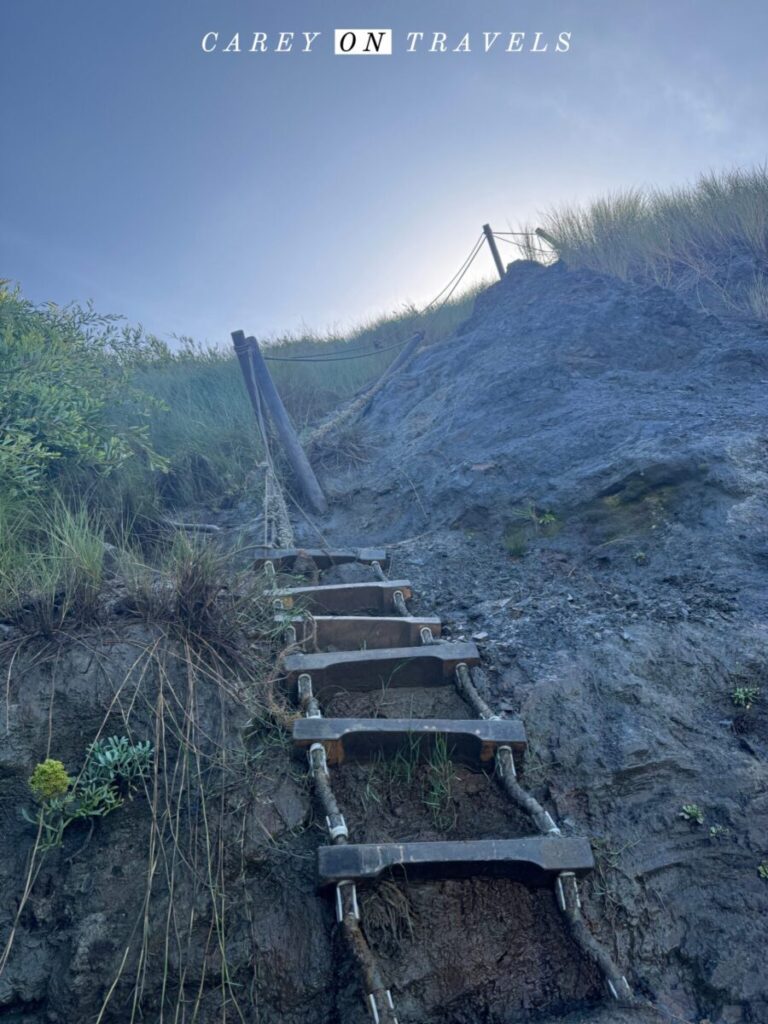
(450, 288)
(458, 275)
(334, 358)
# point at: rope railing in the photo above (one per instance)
(438, 302)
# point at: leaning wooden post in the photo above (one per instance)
(494, 250)
(242, 349)
(296, 455)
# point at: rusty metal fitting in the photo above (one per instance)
(398, 599)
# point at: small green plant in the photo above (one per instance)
(762, 870)
(113, 771)
(534, 516)
(516, 542)
(438, 788)
(745, 696)
(49, 780)
(717, 831)
(692, 813)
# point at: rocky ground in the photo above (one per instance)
(578, 481)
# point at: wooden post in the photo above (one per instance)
(277, 411)
(495, 252)
(242, 350)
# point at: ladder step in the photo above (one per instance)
(284, 559)
(473, 741)
(531, 860)
(352, 632)
(335, 671)
(346, 598)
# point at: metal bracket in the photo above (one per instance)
(337, 826)
(614, 993)
(509, 762)
(426, 636)
(398, 599)
(374, 1008)
(378, 572)
(553, 829)
(567, 879)
(317, 759)
(307, 699)
(340, 901)
(289, 636)
(304, 684)
(269, 569)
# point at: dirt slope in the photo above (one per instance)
(582, 472)
(578, 478)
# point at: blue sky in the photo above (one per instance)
(202, 193)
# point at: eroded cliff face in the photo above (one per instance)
(581, 475)
(578, 479)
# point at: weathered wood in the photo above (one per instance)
(285, 429)
(471, 741)
(494, 250)
(345, 598)
(533, 860)
(360, 671)
(242, 351)
(356, 632)
(284, 559)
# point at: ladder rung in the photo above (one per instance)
(335, 671)
(345, 598)
(353, 632)
(473, 741)
(531, 860)
(284, 559)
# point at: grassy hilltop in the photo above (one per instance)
(104, 430)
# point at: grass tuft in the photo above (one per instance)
(707, 241)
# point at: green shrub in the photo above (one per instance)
(68, 405)
(114, 769)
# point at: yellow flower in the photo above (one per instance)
(49, 779)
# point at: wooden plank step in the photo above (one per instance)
(337, 671)
(346, 598)
(284, 559)
(473, 741)
(353, 632)
(533, 860)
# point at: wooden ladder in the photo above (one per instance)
(361, 637)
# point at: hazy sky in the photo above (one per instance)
(202, 193)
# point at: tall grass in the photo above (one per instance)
(202, 422)
(51, 565)
(176, 431)
(707, 241)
